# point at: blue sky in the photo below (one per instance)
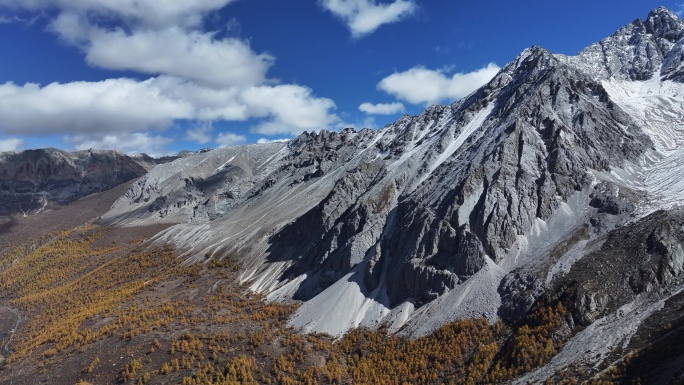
(158, 76)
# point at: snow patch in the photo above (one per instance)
(470, 128)
(658, 107)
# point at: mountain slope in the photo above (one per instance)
(34, 180)
(521, 193)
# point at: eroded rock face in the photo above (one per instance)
(608, 198)
(519, 292)
(35, 179)
(638, 51)
(637, 259)
(535, 156)
(197, 187)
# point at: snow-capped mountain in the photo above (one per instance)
(561, 178)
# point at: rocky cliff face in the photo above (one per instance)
(33, 180)
(558, 179)
(638, 51)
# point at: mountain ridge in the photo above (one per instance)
(34, 180)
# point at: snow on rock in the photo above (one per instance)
(658, 107)
(473, 126)
(194, 188)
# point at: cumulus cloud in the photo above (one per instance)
(201, 133)
(421, 85)
(365, 16)
(195, 76)
(382, 108)
(226, 139)
(264, 140)
(147, 13)
(127, 142)
(109, 105)
(173, 51)
(10, 144)
(129, 105)
(209, 103)
(292, 109)
(72, 27)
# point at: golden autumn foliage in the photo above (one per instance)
(65, 281)
(193, 325)
(531, 345)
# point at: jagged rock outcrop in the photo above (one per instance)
(198, 187)
(637, 51)
(546, 131)
(650, 256)
(33, 180)
(149, 162)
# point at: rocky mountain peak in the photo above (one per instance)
(531, 60)
(638, 51)
(557, 185)
(662, 23)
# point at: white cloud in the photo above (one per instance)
(201, 133)
(382, 108)
(680, 11)
(226, 139)
(10, 144)
(365, 16)
(72, 27)
(130, 143)
(421, 85)
(264, 140)
(208, 103)
(173, 51)
(148, 13)
(292, 109)
(106, 106)
(197, 76)
(154, 37)
(127, 105)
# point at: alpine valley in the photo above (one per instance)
(531, 232)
